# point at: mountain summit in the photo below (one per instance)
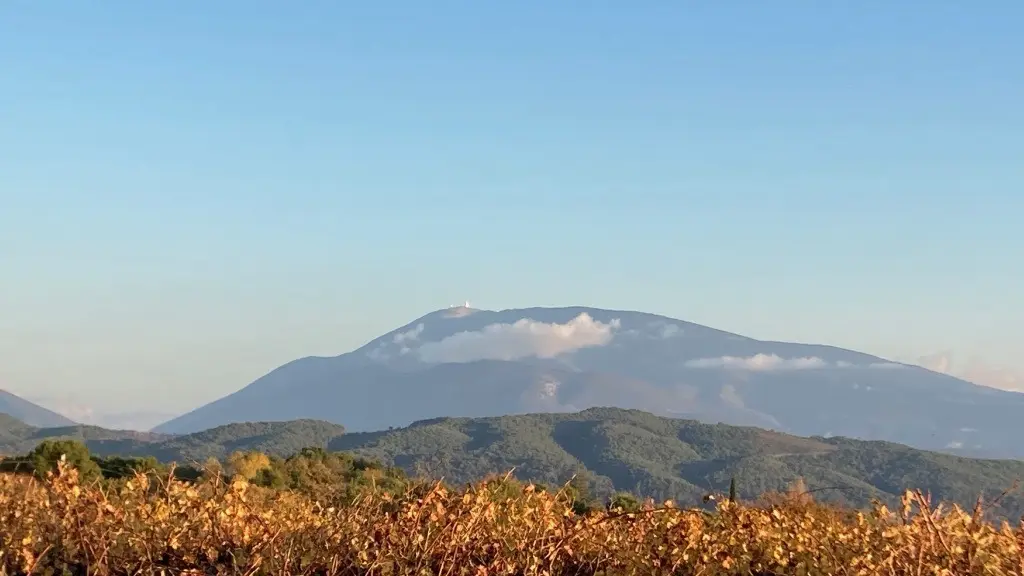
(468, 362)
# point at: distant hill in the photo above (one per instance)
(279, 438)
(615, 449)
(475, 363)
(30, 413)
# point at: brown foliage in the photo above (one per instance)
(144, 527)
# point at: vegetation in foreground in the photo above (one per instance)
(154, 524)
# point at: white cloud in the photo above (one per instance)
(658, 330)
(765, 362)
(666, 330)
(941, 362)
(409, 335)
(522, 339)
(730, 396)
(976, 372)
(549, 389)
(759, 362)
(379, 353)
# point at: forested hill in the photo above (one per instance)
(613, 449)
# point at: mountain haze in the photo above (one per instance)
(30, 413)
(475, 363)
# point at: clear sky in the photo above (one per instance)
(193, 193)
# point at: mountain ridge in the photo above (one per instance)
(613, 449)
(31, 413)
(557, 359)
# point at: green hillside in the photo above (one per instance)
(613, 449)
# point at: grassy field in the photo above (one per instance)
(151, 524)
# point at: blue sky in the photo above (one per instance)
(194, 193)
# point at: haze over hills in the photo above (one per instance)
(613, 449)
(474, 363)
(83, 413)
(30, 413)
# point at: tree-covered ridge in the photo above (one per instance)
(276, 438)
(608, 449)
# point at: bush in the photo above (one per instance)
(48, 453)
(624, 502)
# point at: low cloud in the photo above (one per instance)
(409, 335)
(379, 353)
(759, 362)
(941, 362)
(731, 396)
(666, 330)
(657, 330)
(766, 362)
(522, 339)
(976, 371)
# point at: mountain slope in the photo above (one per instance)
(680, 459)
(30, 413)
(472, 363)
(280, 438)
(614, 449)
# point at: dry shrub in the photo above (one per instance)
(147, 526)
(247, 464)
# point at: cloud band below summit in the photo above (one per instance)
(770, 362)
(522, 339)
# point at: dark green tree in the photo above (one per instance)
(48, 453)
(114, 467)
(624, 501)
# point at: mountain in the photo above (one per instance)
(473, 363)
(17, 437)
(614, 449)
(279, 438)
(30, 413)
(681, 459)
